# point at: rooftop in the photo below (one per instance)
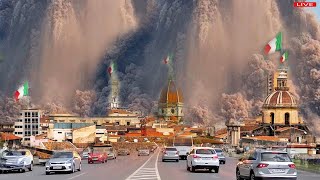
(71, 125)
(8, 137)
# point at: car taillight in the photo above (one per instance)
(195, 156)
(292, 166)
(177, 152)
(215, 157)
(261, 165)
(165, 152)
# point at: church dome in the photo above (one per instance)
(280, 99)
(170, 94)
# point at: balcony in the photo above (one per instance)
(6, 129)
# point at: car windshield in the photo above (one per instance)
(99, 149)
(218, 150)
(62, 155)
(13, 153)
(171, 149)
(275, 157)
(205, 151)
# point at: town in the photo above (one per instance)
(159, 90)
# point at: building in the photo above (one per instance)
(72, 132)
(7, 127)
(280, 108)
(10, 139)
(170, 106)
(115, 116)
(28, 124)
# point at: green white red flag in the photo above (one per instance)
(111, 68)
(168, 59)
(22, 91)
(284, 57)
(274, 45)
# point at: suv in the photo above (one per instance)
(202, 158)
(266, 164)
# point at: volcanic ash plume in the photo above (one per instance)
(75, 36)
(223, 36)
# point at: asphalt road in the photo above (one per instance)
(136, 167)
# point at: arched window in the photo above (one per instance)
(172, 111)
(272, 118)
(287, 119)
(162, 111)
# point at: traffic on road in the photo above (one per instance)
(201, 163)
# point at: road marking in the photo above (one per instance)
(146, 173)
(77, 176)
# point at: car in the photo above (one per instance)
(123, 152)
(143, 152)
(85, 155)
(98, 154)
(170, 153)
(18, 160)
(64, 161)
(112, 154)
(203, 158)
(222, 158)
(260, 164)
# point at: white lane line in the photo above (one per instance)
(77, 176)
(156, 166)
(142, 172)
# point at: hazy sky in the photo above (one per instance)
(316, 9)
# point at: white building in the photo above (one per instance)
(28, 124)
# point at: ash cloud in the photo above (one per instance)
(217, 48)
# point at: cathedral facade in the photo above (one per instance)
(170, 106)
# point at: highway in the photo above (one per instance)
(136, 167)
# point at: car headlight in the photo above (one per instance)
(69, 161)
(48, 163)
(21, 161)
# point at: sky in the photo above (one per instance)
(316, 9)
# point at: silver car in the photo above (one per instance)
(170, 153)
(64, 161)
(222, 158)
(266, 164)
(143, 152)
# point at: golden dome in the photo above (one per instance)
(170, 94)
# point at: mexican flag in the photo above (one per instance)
(274, 45)
(284, 57)
(111, 68)
(22, 91)
(168, 59)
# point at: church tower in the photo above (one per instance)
(115, 87)
(280, 107)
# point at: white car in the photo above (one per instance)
(203, 158)
(19, 160)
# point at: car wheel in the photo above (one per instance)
(73, 168)
(47, 173)
(162, 160)
(177, 160)
(238, 176)
(252, 176)
(192, 169)
(79, 167)
(31, 167)
(216, 169)
(22, 170)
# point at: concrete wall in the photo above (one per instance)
(84, 135)
(61, 134)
